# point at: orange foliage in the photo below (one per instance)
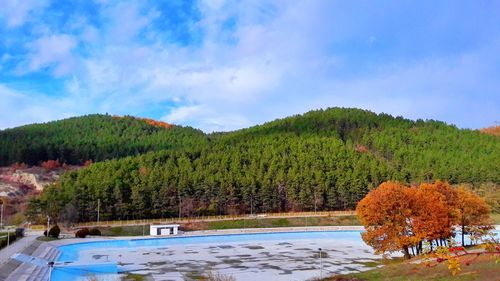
(472, 210)
(143, 171)
(157, 123)
(88, 163)
(432, 218)
(493, 130)
(384, 212)
(51, 164)
(151, 122)
(361, 148)
(18, 166)
(397, 217)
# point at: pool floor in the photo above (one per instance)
(278, 256)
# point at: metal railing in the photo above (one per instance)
(214, 218)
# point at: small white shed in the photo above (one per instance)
(163, 229)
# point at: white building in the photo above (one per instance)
(163, 229)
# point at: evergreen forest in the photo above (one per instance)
(321, 160)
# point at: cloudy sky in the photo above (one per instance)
(221, 65)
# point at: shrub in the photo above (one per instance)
(219, 277)
(3, 241)
(19, 232)
(55, 231)
(82, 233)
(45, 233)
(51, 165)
(95, 231)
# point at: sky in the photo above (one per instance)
(223, 65)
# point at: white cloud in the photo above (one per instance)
(52, 51)
(17, 12)
(196, 115)
(276, 60)
(18, 108)
(127, 20)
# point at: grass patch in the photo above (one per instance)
(250, 223)
(484, 268)
(135, 230)
(3, 240)
(134, 277)
(46, 239)
(273, 222)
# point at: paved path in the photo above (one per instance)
(17, 247)
(27, 245)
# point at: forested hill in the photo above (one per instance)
(92, 137)
(324, 160)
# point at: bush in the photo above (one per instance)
(55, 231)
(95, 232)
(45, 233)
(82, 233)
(19, 232)
(3, 241)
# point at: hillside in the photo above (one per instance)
(493, 130)
(324, 160)
(93, 137)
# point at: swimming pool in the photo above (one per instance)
(264, 256)
(280, 256)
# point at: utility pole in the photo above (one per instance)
(315, 199)
(251, 205)
(98, 209)
(48, 225)
(1, 214)
(180, 206)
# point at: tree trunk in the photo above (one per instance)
(463, 230)
(406, 252)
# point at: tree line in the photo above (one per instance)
(93, 137)
(322, 160)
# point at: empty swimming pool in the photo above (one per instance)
(276, 256)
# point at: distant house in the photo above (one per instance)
(163, 229)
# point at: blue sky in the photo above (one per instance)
(222, 65)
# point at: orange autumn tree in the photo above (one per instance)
(431, 218)
(385, 213)
(472, 211)
(397, 217)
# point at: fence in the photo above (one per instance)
(214, 218)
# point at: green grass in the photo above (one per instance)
(134, 277)
(253, 223)
(46, 239)
(277, 222)
(484, 268)
(235, 224)
(136, 230)
(3, 241)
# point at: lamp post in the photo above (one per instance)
(98, 209)
(1, 214)
(321, 263)
(51, 266)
